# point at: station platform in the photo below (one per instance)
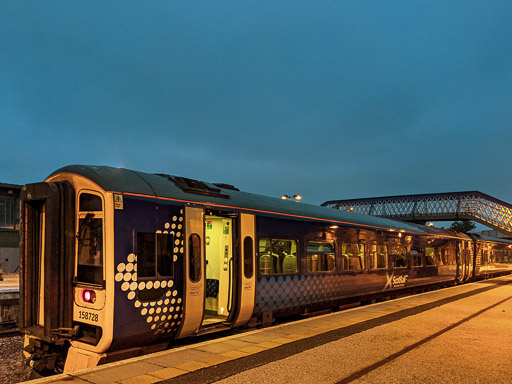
(458, 334)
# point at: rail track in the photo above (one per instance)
(9, 303)
(9, 328)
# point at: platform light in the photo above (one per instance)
(88, 296)
(296, 198)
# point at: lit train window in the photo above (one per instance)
(485, 257)
(398, 256)
(443, 259)
(498, 255)
(320, 257)
(352, 256)
(154, 255)
(277, 256)
(430, 256)
(416, 257)
(378, 256)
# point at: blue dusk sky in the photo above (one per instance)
(327, 99)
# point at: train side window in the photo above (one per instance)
(416, 258)
(89, 236)
(164, 255)
(378, 256)
(443, 256)
(90, 203)
(9, 212)
(430, 256)
(154, 255)
(90, 250)
(321, 256)
(398, 256)
(194, 245)
(248, 257)
(506, 255)
(352, 256)
(277, 256)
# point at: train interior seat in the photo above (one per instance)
(290, 264)
(266, 264)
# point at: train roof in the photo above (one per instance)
(478, 236)
(442, 232)
(223, 196)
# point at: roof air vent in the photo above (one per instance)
(226, 186)
(195, 186)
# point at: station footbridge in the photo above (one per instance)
(472, 205)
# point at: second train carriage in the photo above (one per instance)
(117, 263)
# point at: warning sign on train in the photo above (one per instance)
(118, 201)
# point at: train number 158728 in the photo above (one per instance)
(88, 316)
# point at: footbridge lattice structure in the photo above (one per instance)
(473, 205)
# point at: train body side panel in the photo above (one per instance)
(148, 306)
(492, 258)
(300, 291)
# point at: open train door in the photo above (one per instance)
(193, 272)
(219, 279)
(247, 278)
(229, 269)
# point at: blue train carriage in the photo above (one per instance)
(117, 263)
(112, 259)
(492, 255)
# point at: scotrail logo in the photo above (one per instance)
(393, 281)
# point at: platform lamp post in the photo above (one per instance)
(296, 198)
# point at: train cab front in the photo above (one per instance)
(62, 279)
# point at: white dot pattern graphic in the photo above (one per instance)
(154, 312)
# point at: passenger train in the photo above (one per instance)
(117, 263)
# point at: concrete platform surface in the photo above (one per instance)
(460, 334)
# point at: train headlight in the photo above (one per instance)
(88, 296)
